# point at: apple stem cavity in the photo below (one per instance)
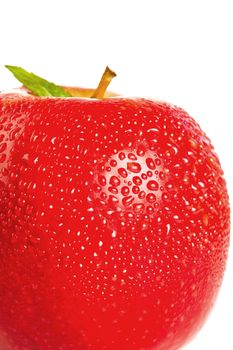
(105, 80)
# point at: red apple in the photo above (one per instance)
(114, 221)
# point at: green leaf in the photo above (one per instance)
(38, 86)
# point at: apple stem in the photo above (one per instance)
(106, 79)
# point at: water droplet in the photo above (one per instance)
(132, 156)
(103, 195)
(102, 180)
(114, 181)
(21, 201)
(96, 188)
(157, 161)
(114, 234)
(149, 173)
(122, 172)
(125, 190)
(110, 211)
(144, 226)
(168, 226)
(113, 190)
(127, 200)
(8, 126)
(113, 199)
(165, 196)
(113, 162)
(3, 147)
(153, 185)
(121, 155)
(4, 171)
(138, 207)
(141, 150)
(168, 185)
(2, 157)
(161, 175)
(13, 133)
(34, 240)
(129, 216)
(151, 198)
(137, 180)
(145, 217)
(135, 189)
(144, 176)
(150, 209)
(142, 195)
(134, 167)
(150, 163)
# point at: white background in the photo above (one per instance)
(180, 51)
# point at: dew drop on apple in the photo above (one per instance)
(2, 157)
(149, 209)
(127, 200)
(137, 180)
(121, 155)
(150, 163)
(21, 201)
(4, 171)
(144, 226)
(113, 189)
(165, 196)
(157, 161)
(168, 186)
(8, 127)
(141, 150)
(34, 240)
(135, 189)
(161, 175)
(132, 156)
(103, 195)
(149, 173)
(153, 185)
(96, 188)
(13, 133)
(129, 216)
(151, 198)
(102, 180)
(125, 190)
(113, 162)
(142, 194)
(114, 181)
(113, 199)
(145, 217)
(122, 172)
(3, 147)
(134, 167)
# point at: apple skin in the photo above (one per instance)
(114, 224)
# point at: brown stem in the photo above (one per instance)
(106, 79)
